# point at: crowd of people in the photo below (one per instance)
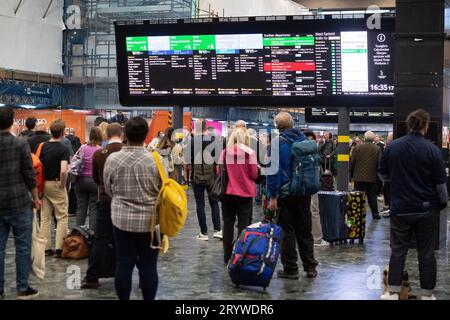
(116, 183)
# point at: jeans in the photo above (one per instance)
(87, 195)
(21, 225)
(295, 221)
(371, 191)
(199, 194)
(232, 207)
(402, 229)
(102, 257)
(259, 193)
(133, 249)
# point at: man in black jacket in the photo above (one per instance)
(30, 123)
(327, 151)
(39, 136)
(415, 168)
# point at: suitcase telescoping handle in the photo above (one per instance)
(328, 160)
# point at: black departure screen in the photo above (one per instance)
(329, 63)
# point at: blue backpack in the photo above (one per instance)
(306, 168)
(255, 255)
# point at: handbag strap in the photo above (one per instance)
(224, 164)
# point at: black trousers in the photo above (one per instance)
(387, 193)
(371, 192)
(102, 258)
(232, 207)
(295, 221)
(402, 230)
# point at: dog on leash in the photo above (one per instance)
(405, 292)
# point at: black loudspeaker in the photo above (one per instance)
(433, 133)
(408, 99)
(419, 53)
(415, 16)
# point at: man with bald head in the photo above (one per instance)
(364, 164)
(40, 135)
(294, 215)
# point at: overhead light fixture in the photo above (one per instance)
(265, 124)
(28, 106)
(2, 104)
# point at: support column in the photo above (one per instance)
(178, 117)
(343, 157)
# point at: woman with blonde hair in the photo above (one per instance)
(242, 170)
(102, 126)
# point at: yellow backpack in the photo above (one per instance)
(171, 206)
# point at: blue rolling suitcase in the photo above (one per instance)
(333, 208)
(255, 255)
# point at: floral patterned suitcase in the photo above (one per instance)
(355, 218)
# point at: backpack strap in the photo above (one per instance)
(39, 149)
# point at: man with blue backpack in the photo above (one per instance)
(290, 190)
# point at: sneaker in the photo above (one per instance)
(286, 275)
(322, 243)
(203, 237)
(58, 254)
(89, 284)
(432, 297)
(2, 294)
(29, 294)
(49, 253)
(311, 273)
(385, 212)
(389, 296)
(218, 235)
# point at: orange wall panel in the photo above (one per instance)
(74, 120)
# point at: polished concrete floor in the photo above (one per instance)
(194, 269)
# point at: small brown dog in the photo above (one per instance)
(405, 292)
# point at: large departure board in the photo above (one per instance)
(293, 63)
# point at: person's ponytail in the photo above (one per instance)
(418, 120)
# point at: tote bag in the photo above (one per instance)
(37, 250)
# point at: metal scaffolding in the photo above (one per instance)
(90, 53)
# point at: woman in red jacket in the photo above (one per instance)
(242, 169)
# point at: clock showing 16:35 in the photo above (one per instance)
(381, 87)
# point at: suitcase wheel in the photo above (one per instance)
(361, 240)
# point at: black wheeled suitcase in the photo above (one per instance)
(332, 208)
(356, 216)
(326, 178)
